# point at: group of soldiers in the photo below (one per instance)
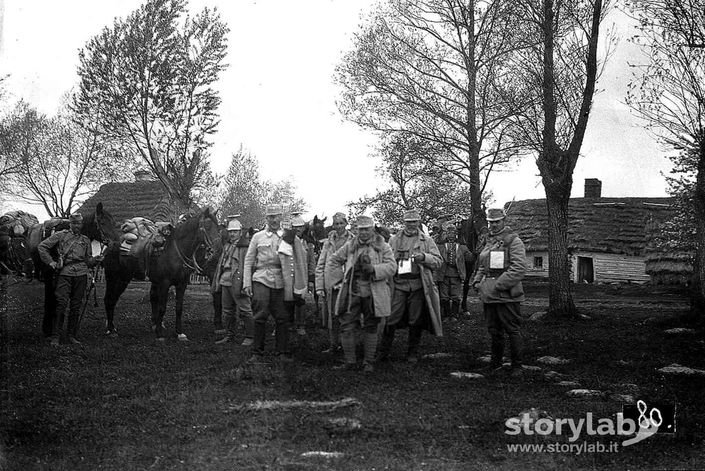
(370, 287)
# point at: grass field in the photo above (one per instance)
(131, 403)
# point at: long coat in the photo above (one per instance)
(237, 264)
(328, 277)
(382, 258)
(505, 287)
(432, 261)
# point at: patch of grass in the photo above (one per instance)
(133, 403)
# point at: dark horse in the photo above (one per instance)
(97, 226)
(170, 267)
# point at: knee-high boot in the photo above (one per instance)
(414, 341)
(370, 341)
(347, 339)
(385, 346)
(281, 338)
(516, 344)
(258, 344)
(497, 350)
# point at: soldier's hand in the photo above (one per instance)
(247, 291)
(321, 293)
(311, 287)
(53, 265)
(368, 268)
(419, 257)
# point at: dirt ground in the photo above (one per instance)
(132, 403)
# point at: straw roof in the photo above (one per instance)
(608, 225)
(130, 199)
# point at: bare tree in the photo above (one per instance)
(558, 69)
(60, 162)
(147, 81)
(435, 69)
(16, 131)
(668, 92)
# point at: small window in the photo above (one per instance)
(538, 262)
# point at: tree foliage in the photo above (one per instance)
(246, 193)
(147, 81)
(436, 70)
(412, 183)
(668, 92)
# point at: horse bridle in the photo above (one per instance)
(191, 262)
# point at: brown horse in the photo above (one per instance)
(98, 226)
(170, 267)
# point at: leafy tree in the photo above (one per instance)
(668, 92)
(413, 183)
(557, 68)
(435, 69)
(247, 194)
(147, 81)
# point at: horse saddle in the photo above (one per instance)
(142, 238)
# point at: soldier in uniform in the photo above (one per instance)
(228, 278)
(501, 267)
(74, 260)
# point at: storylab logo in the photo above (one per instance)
(638, 422)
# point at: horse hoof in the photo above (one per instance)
(182, 338)
(111, 333)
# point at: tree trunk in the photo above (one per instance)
(697, 294)
(560, 299)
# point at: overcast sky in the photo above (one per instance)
(279, 100)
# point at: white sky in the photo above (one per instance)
(279, 100)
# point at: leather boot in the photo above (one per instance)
(445, 311)
(385, 346)
(347, 339)
(516, 344)
(370, 341)
(260, 332)
(414, 341)
(281, 339)
(497, 351)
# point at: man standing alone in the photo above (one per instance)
(501, 267)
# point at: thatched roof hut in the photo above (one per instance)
(609, 239)
(144, 197)
(607, 225)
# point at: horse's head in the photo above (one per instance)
(318, 228)
(209, 233)
(101, 226)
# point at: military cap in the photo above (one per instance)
(234, 225)
(273, 210)
(365, 221)
(495, 214)
(412, 215)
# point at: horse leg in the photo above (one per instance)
(114, 287)
(469, 268)
(157, 299)
(180, 290)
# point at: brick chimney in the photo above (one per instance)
(142, 175)
(593, 188)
